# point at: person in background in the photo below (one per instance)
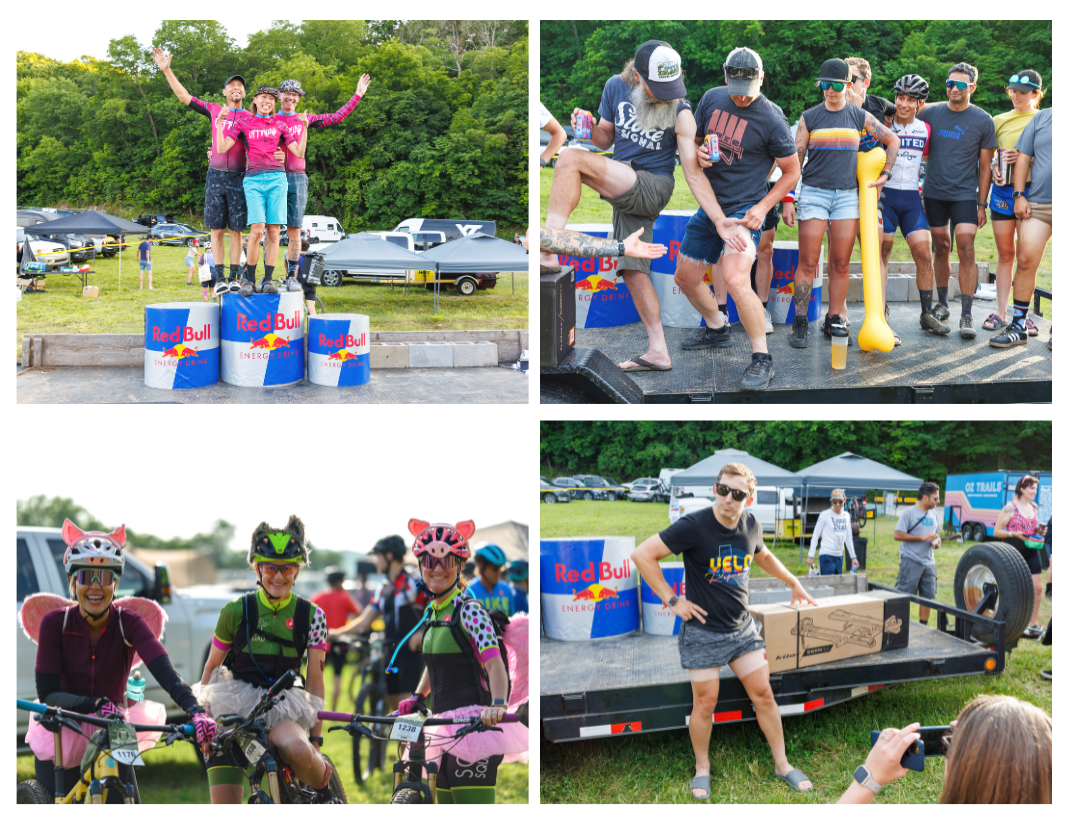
(145, 265)
(361, 593)
(917, 530)
(191, 260)
(338, 606)
(468, 572)
(207, 260)
(549, 124)
(517, 573)
(1016, 524)
(487, 587)
(833, 529)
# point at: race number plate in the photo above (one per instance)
(123, 744)
(254, 751)
(407, 728)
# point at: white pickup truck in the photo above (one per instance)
(763, 507)
(40, 568)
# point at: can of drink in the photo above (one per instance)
(712, 142)
(583, 126)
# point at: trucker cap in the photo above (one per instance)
(835, 70)
(1027, 80)
(660, 68)
(742, 69)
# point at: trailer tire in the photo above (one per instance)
(1000, 564)
(466, 286)
(965, 531)
(978, 532)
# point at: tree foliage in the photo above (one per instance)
(578, 56)
(440, 132)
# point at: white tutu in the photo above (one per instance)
(225, 694)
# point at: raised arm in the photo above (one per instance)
(164, 62)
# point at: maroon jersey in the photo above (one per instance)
(235, 159)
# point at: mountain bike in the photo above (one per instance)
(246, 746)
(856, 507)
(369, 753)
(414, 774)
(103, 775)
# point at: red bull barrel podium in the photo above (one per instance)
(602, 300)
(675, 309)
(782, 288)
(182, 345)
(656, 617)
(262, 339)
(339, 351)
(588, 587)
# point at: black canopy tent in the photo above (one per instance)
(476, 253)
(91, 222)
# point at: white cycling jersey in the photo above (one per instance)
(914, 146)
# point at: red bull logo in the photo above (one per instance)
(270, 342)
(594, 572)
(596, 593)
(180, 351)
(263, 347)
(344, 341)
(343, 356)
(185, 334)
(595, 283)
(271, 322)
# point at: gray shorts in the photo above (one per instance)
(701, 648)
(639, 207)
(916, 578)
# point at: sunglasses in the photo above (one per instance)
(855, 77)
(1026, 81)
(431, 563)
(269, 569)
(742, 73)
(88, 576)
(963, 85)
(836, 86)
(837, 502)
(737, 495)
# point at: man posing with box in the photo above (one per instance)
(917, 531)
(719, 544)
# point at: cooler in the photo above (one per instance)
(182, 345)
(588, 587)
(262, 339)
(339, 350)
(656, 617)
(602, 301)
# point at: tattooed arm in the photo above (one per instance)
(892, 145)
(802, 141)
(575, 244)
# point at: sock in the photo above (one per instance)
(922, 621)
(1020, 310)
(926, 297)
(219, 271)
(268, 272)
(249, 272)
(234, 272)
(943, 293)
(965, 305)
(290, 265)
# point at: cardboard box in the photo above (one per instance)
(90, 291)
(836, 628)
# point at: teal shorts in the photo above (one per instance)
(266, 196)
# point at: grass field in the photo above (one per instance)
(827, 745)
(592, 209)
(63, 309)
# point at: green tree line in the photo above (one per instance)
(578, 56)
(929, 450)
(440, 132)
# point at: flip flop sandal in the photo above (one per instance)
(645, 365)
(793, 778)
(993, 323)
(703, 783)
(1031, 328)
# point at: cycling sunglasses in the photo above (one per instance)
(88, 576)
(836, 85)
(270, 568)
(737, 495)
(963, 85)
(1025, 81)
(431, 563)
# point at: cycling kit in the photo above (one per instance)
(235, 159)
(295, 127)
(901, 203)
(401, 604)
(265, 185)
(224, 204)
(500, 598)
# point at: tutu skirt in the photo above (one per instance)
(73, 746)
(511, 740)
(225, 694)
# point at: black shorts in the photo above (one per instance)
(1031, 556)
(772, 218)
(997, 218)
(454, 773)
(410, 668)
(225, 204)
(940, 213)
(309, 291)
(336, 656)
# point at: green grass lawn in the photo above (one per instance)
(592, 209)
(63, 309)
(827, 745)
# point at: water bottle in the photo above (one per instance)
(135, 687)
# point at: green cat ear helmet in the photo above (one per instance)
(279, 544)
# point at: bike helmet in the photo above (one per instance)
(492, 554)
(913, 86)
(334, 574)
(393, 545)
(441, 538)
(93, 548)
(518, 570)
(292, 86)
(279, 544)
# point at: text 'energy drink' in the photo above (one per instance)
(712, 143)
(583, 126)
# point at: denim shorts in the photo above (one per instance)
(701, 242)
(144, 266)
(297, 200)
(828, 204)
(266, 195)
(702, 648)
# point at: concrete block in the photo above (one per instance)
(475, 354)
(389, 355)
(431, 355)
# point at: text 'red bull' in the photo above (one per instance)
(185, 334)
(272, 322)
(344, 341)
(589, 574)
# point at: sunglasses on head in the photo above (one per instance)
(431, 563)
(835, 85)
(736, 494)
(1026, 81)
(88, 576)
(269, 569)
(742, 73)
(963, 85)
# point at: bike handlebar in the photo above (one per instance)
(286, 681)
(390, 720)
(101, 722)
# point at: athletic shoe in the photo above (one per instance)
(931, 323)
(1050, 342)
(967, 327)
(941, 311)
(1031, 328)
(768, 323)
(234, 284)
(799, 330)
(1012, 335)
(1049, 590)
(758, 373)
(268, 286)
(221, 287)
(834, 321)
(1032, 632)
(293, 284)
(706, 337)
(247, 288)
(1046, 675)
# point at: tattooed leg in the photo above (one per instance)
(802, 299)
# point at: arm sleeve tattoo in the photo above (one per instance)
(574, 244)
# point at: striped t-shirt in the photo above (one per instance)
(833, 153)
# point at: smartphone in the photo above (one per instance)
(912, 758)
(933, 738)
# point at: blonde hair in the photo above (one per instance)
(733, 469)
(859, 63)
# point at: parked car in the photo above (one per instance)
(550, 494)
(763, 507)
(597, 481)
(621, 490)
(648, 490)
(79, 247)
(176, 234)
(151, 220)
(45, 250)
(571, 483)
(319, 229)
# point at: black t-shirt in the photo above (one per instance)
(717, 562)
(879, 108)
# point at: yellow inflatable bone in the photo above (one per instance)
(875, 332)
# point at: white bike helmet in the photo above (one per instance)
(93, 548)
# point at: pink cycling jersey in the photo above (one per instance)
(261, 136)
(235, 159)
(295, 127)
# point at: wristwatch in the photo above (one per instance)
(543, 163)
(1019, 194)
(671, 602)
(498, 703)
(982, 205)
(863, 777)
(316, 739)
(622, 249)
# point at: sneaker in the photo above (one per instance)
(1031, 328)
(834, 321)
(758, 373)
(293, 284)
(799, 330)
(1032, 632)
(768, 323)
(234, 284)
(941, 311)
(930, 322)
(1050, 341)
(706, 337)
(1012, 335)
(268, 286)
(247, 288)
(221, 287)
(1045, 675)
(967, 328)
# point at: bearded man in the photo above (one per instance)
(643, 114)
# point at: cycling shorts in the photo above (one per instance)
(939, 213)
(224, 203)
(772, 219)
(904, 210)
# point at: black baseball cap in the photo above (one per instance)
(835, 70)
(660, 68)
(1034, 80)
(239, 77)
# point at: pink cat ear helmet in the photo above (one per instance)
(441, 538)
(93, 549)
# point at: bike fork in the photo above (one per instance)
(275, 787)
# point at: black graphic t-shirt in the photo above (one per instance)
(957, 137)
(751, 138)
(717, 562)
(653, 150)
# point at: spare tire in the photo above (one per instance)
(996, 563)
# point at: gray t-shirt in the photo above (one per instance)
(1037, 142)
(832, 155)
(952, 168)
(750, 139)
(653, 150)
(918, 523)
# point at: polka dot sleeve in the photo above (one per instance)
(477, 625)
(318, 635)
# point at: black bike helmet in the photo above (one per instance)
(334, 574)
(393, 545)
(913, 86)
(279, 544)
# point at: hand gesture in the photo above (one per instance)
(303, 118)
(279, 154)
(703, 156)
(755, 216)
(686, 610)
(879, 183)
(883, 761)
(728, 229)
(162, 59)
(788, 213)
(362, 84)
(220, 116)
(646, 251)
(798, 594)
